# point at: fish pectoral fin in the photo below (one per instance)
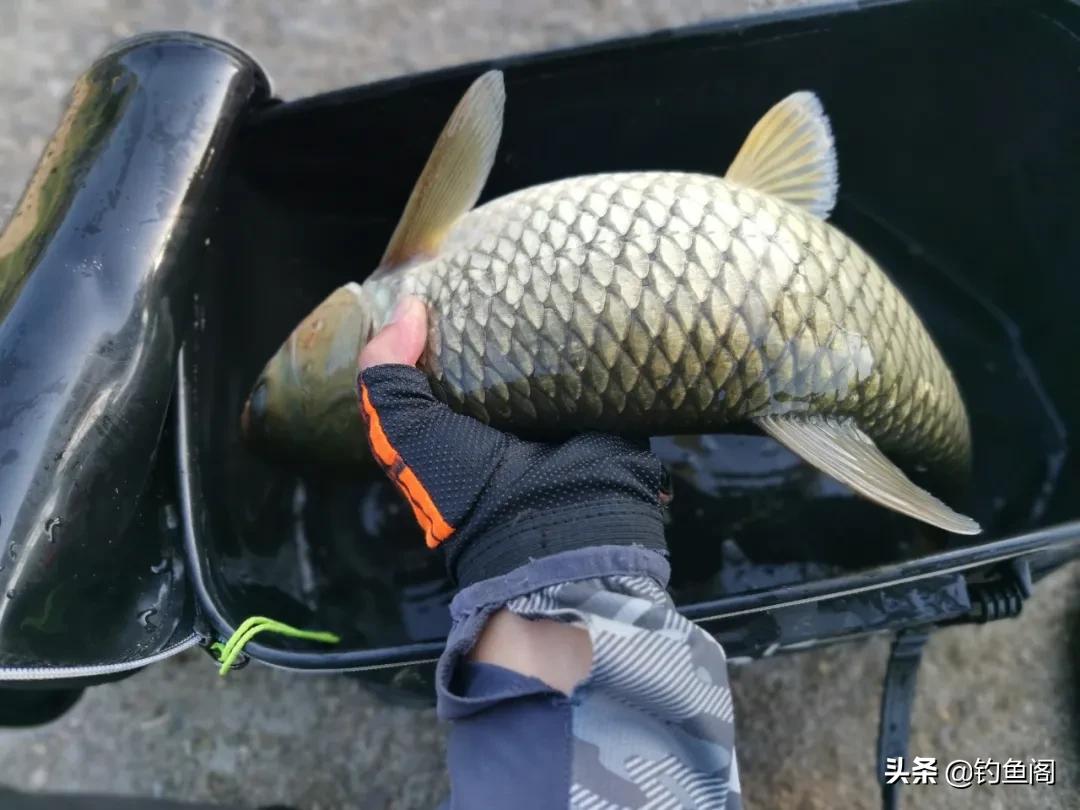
(837, 447)
(454, 175)
(790, 154)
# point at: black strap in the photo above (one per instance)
(897, 699)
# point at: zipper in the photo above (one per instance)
(346, 669)
(96, 670)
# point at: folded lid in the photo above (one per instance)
(97, 274)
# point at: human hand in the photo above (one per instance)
(490, 500)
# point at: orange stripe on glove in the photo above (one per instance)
(435, 527)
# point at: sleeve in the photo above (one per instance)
(651, 725)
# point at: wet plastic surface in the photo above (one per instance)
(967, 209)
(96, 275)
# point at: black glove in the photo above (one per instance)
(492, 501)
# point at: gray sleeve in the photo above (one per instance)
(652, 724)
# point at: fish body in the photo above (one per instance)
(644, 303)
(662, 302)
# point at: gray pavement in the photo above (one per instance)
(807, 723)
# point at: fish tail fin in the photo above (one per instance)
(790, 154)
(454, 175)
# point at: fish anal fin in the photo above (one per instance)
(790, 154)
(453, 176)
(837, 447)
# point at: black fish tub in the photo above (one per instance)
(183, 219)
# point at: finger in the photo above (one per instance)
(401, 340)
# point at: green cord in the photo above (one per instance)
(230, 651)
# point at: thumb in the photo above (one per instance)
(402, 340)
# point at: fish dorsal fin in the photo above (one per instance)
(789, 153)
(454, 175)
(837, 447)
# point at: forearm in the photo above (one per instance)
(556, 653)
(649, 710)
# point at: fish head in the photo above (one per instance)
(303, 404)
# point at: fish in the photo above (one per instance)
(643, 303)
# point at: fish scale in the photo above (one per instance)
(664, 302)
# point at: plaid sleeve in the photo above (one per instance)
(651, 726)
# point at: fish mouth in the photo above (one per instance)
(253, 416)
(245, 419)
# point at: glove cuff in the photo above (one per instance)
(601, 523)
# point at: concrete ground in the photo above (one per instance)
(807, 723)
